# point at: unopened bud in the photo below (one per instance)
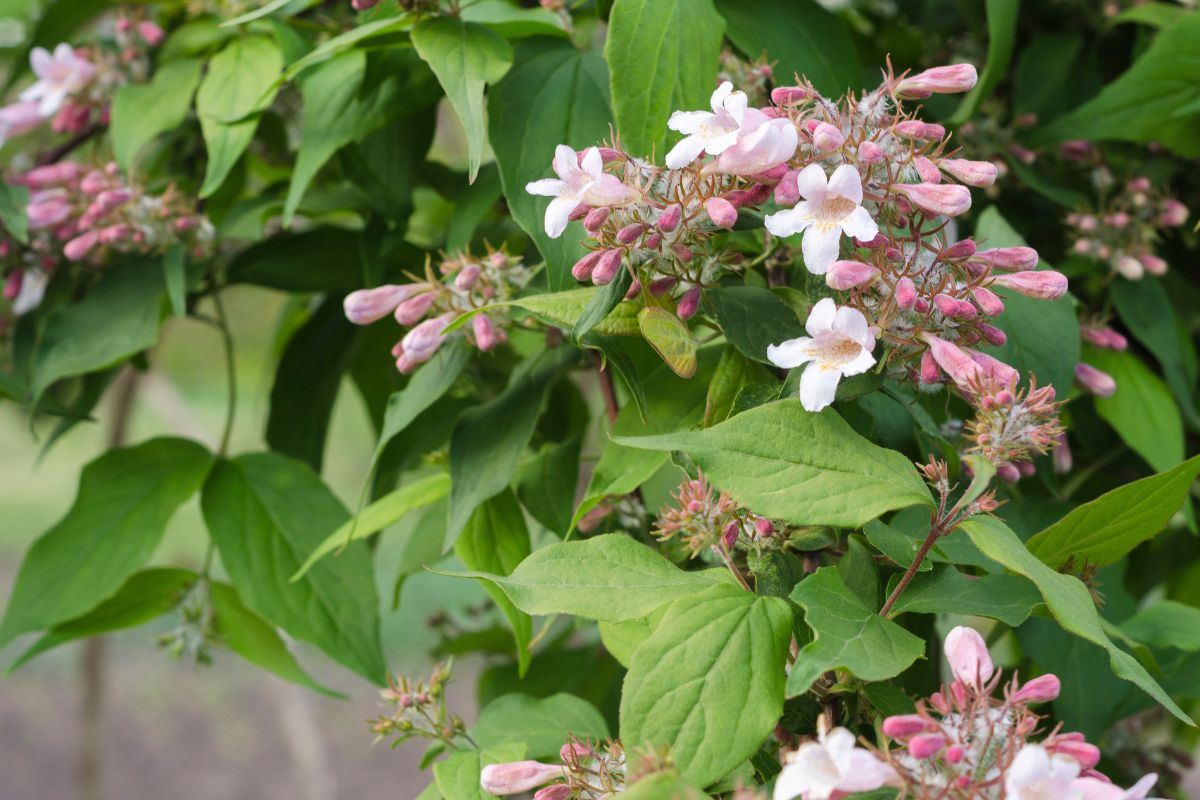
(916, 129)
(972, 173)
(668, 220)
(1043, 284)
(926, 745)
(1088, 755)
(949, 79)
(1041, 689)
(729, 536)
(1008, 258)
(1153, 264)
(596, 218)
(630, 233)
(80, 246)
(904, 726)
(927, 170)
(993, 335)
(414, 309)
(946, 199)
(466, 277)
(905, 293)
(845, 275)
(1129, 267)
(517, 776)
(1095, 381)
(582, 270)
(1173, 214)
(559, 791)
(721, 212)
(787, 191)
(826, 137)
(368, 305)
(989, 302)
(689, 304)
(485, 332)
(765, 527)
(790, 95)
(869, 153)
(607, 266)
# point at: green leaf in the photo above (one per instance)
(1166, 624)
(385, 511)
(609, 578)
(1067, 599)
(1142, 410)
(255, 640)
(126, 497)
(553, 95)
(426, 386)
(662, 786)
(565, 310)
(546, 485)
(1156, 15)
(146, 595)
(1106, 529)
(846, 635)
(670, 338)
(1002, 34)
(175, 277)
(602, 303)
(471, 206)
(1043, 335)
(458, 776)
(240, 82)
(511, 21)
(266, 513)
(317, 260)
(465, 57)
(803, 37)
(542, 725)
(662, 57)
(709, 681)
(496, 540)
(488, 439)
(263, 11)
(787, 463)
(118, 318)
(752, 318)
(13, 202)
(379, 29)
(734, 373)
(1142, 104)
(945, 590)
(141, 111)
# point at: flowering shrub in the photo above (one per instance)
(777, 271)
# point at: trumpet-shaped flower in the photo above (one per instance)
(763, 144)
(1035, 774)
(579, 183)
(839, 344)
(829, 767)
(60, 74)
(711, 132)
(831, 207)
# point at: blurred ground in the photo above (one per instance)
(172, 730)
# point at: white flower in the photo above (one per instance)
(60, 75)
(33, 289)
(763, 143)
(831, 764)
(708, 132)
(1035, 774)
(578, 183)
(827, 211)
(839, 343)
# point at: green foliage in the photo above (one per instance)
(541, 725)
(753, 318)
(1141, 410)
(141, 112)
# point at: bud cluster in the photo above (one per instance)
(1012, 424)
(586, 771)
(702, 518)
(464, 283)
(1123, 232)
(418, 710)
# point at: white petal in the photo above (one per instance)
(866, 774)
(811, 182)
(736, 105)
(846, 182)
(820, 248)
(860, 364)
(685, 152)
(791, 783)
(690, 121)
(719, 94)
(820, 319)
(593, 164)
(851, 323)
(858, 223)
(839, 742)
(558, 214)
(788, 222)
(1031, 765)
(566, 163)
(718, 143)
(818, 386)
(39, 60)
(791, 353)
(547, 187)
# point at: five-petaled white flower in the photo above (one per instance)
(839, 344)
(579, 182)
(60, 74)
(708, 132)
(832, 764)
(1036, 774)
(828, 210)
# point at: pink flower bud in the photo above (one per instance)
(1088, 755)
(662, 285)
(466, 277)
(1129, 267)
(905, 293)
(1061, 454)
(58, 174)
(1153, 264)
(363, 5)
(994, 368)
(71, 118)
(1117, 220)
(81, 245)
(927, 170)
(574, 751)
(12, 285)
(607, 266)
(423, 341)
(721, 212)
(485, 332)
(844, 275)
(48, 213)
(904, 726)
(790, 95)
(635, 289)
(916, 129)
(559, 791)
(926, 745)
(1022, 154)
(930, 373)
(19, 118)
(1041, 689)
(668, 220)
(414, 309)
(938, 80)
(993, 335)
(787, 191)
(630, 233)
(729, 536)
(989, 302)
(595, 218)
(826, 137)
(1043, 284)
(937, 198)
(579, 212)
(368, 305)
(682, 252)
(582, 270)
(764, 527)
(1076, 149)
(972, 173)
(653, 241)
(946, 305)
(968, 656)
(1095, 381)
(150, 32)
(955, 754)
(94, 183)
(517, 776)
(1008, 258)
(689, 304)
(869, 153)
(1173, 214)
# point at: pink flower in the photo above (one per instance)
(1043, 284)
(972, 173)
(831, 207)
(607, 266)
(763, 143)
(1173, 214)
(1153, 264)
(18, 118)
(60, 75)
(81, 245)
(150, 32)
(578, 183)
(905, 293)
(869, 153)
(844, 275)
(940, 80)
(713, 132)
(517, 776)
(721, 212)
(832, 766)
(1095, 381)
(968, 656)
(946, 199)
(989, 302)
(839, 344)
(668, 220)
(368, 305)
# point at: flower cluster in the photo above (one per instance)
(586, 772)
(418, 710)
(1012, 424)
(703, 519)
(963, 742)
(466, 283)
(1122, 234)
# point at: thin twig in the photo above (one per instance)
(230, 371)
